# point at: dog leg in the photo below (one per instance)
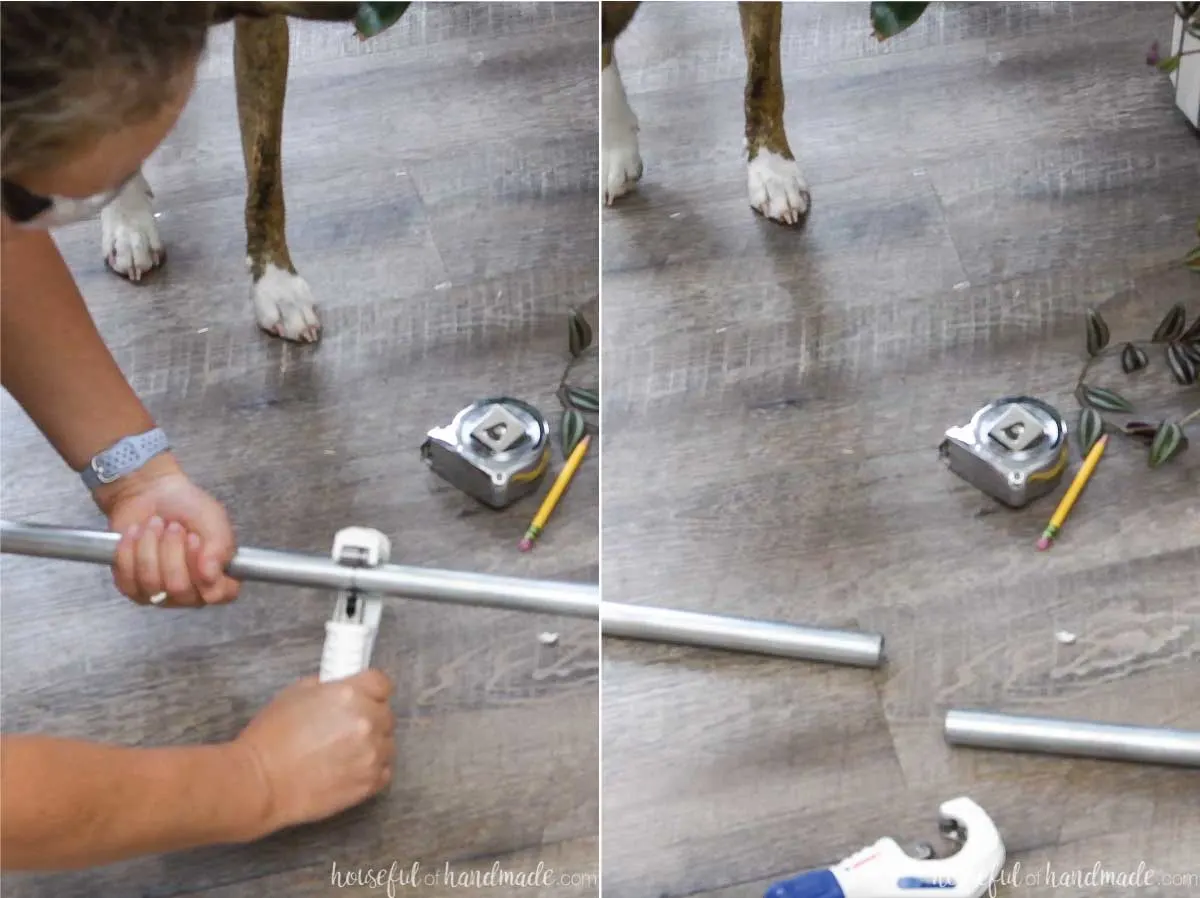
(283, 302)
(777, 187)
(128, 232)
(620, 161)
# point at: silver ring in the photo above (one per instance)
(158, 598)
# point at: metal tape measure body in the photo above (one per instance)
(495, 450)
(1013, 449)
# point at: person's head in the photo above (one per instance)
(88, 91)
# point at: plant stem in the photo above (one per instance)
(1189, 418)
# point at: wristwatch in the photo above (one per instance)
(124, 457)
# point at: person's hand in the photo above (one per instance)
(175, 538)
(322, 747)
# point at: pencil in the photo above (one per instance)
(1068, 501)
(556, 491)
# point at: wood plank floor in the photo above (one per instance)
(773, 400)
(441, 185)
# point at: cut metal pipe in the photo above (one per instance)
(544, 597)
(1076, 738)
(738, 634)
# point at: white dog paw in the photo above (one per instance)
(620, 161)
(777, 188)
(283, 306)
(129, 234)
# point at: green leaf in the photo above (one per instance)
(1183, 369)
(1171, 326)
(1091, 428)
(1192, 259)
(579, 333)
(1104, 400)
(1169, 64)
(1133, 358)
(1097, 332)
(1191, 350)
(571, 431)
(1169, 443)
(375, 18)
(889, 19)
(582, 399)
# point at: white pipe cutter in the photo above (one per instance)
(350, 633)
(885, 870)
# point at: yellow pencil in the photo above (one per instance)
(1068, 501)
(556, 491)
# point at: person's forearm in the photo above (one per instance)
(53, 360)
(70, 804)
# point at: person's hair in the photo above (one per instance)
(72, 72)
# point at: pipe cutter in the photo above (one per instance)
(350, 632)
(885, 870)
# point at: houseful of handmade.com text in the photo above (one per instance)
(397, 876)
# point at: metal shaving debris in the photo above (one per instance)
(1065, 637)
(548, 638)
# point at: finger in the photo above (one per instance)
(176, 578)
(210, 593)
(217, 550)
(385, 776)
(125, 564)
(381, 717)
(373, 684)
(149, 571)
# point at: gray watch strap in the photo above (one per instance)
(124, 457)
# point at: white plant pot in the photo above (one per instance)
(1186, 78)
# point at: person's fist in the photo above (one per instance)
(323, 747)
(176, 539)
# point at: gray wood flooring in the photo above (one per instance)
(441, 185)
(773, 403)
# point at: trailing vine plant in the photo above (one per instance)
(1179, 343)
(579, 403)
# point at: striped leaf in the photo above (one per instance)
(1192, 259)
(1104, 400)
(1097, 332)
(1133, 358)
(1091, 427)
(1169, 443)
(1171, 327)
(1192, 334)
(579, 333)
(1183, 369)
(584, 400)
(571, 430)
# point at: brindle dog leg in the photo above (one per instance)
(777, 187)
(128, 232)
(283, 302)
(620, 161)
